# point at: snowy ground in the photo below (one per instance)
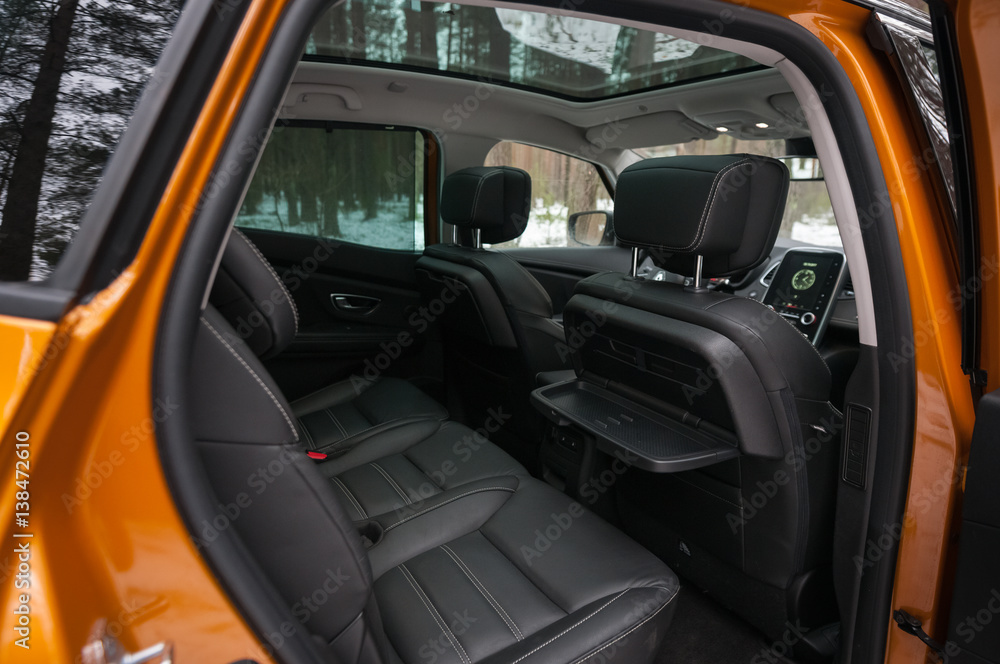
(820, 229)
(388, 229)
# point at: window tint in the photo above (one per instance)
(560, 186)
(71, 73)
(360, 185)
(808, 212)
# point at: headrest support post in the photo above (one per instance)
(699, 264)
(635, 262)
(477, 238)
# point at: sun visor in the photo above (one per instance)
(665, 128)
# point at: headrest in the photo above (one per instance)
(495, 199)
(726, 209)
(252, 298)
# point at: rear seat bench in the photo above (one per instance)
(464, 558)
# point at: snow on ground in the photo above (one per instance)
(819, 229)
(388, 229)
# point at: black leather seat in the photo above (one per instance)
(497, 318)
(500, 569)
(756, 531)
(253, 299)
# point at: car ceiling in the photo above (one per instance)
(471, 116)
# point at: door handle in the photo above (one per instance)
(354, 304)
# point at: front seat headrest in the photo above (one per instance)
(725, 208)
(252, 298)
(494, 199)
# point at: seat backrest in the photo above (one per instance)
(285, 513)
(253, 299)
(722, 363)
(485, 295)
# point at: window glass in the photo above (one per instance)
(808, 212)
(71, 73)
(557, 54)
(359, 185)
(560, 186)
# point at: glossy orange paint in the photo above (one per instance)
(944, 413)
(108, 542)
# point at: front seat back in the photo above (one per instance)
(755, 530)
(497, 318)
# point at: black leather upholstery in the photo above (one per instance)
(252, 297)
(338, 417)
(295, 528)
(497, 319)
(494, 199)
(755, 531)
(725, 208)
(485, 569)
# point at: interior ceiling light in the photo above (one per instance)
(762, 125)
(722, 130)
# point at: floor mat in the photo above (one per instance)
(704, 631)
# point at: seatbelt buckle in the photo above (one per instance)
(317, 456)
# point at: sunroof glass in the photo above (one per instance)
(561, 55)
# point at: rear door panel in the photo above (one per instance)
(333, 342)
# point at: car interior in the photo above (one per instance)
(600, 410)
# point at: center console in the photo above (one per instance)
(804, 289)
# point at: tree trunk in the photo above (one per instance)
(412, 30)
(20, 213)
(428, 35)
(359, 38)
(292, 197)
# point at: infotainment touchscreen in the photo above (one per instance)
(805, 288)
(808, 275)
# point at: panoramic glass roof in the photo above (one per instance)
(559, 55)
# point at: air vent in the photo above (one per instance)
(769, 275)
(848, 289)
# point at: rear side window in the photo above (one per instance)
(71, 73)
(561, 185)
(351, 183)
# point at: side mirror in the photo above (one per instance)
(591, 229)
(803, 169)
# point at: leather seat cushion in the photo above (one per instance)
(527, 577)
(338, 417)
(400, 473)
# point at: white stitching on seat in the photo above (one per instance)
(281, 284)
(288, 420)
(435, 614)
(350, 497)
(712, 198)
(391, 482)
(569, 629)
(305, 430)
(336, 422)
(483, 591)
(611, 643)
(450, 500)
